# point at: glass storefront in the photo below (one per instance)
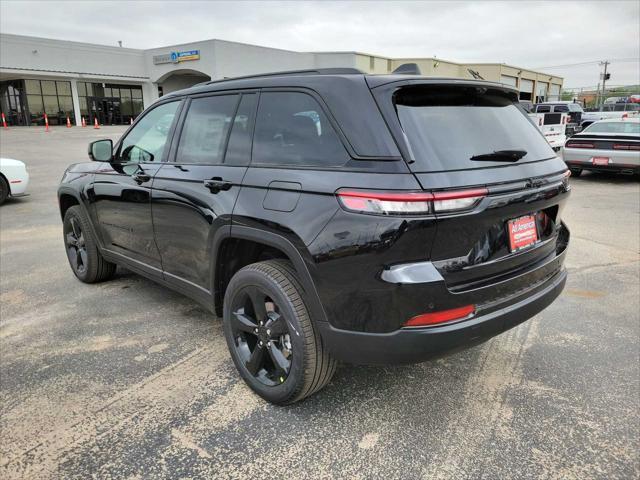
(111, 104)
(52, 97)
(24, 102)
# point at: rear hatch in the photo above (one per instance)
(465, 136)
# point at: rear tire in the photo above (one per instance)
(84, 258)
(4, 190)
(576, 172)
(291, 363)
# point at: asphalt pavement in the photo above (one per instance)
(127, 379)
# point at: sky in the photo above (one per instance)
(551, 36)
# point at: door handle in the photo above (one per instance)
(141, 177)
(216, 184)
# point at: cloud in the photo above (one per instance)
(527, 34)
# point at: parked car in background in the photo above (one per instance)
(611, 111)
(330, 215)
(605, 146)
(14, 179)
(572, 109)
(553, 126)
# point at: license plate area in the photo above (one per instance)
(523, 232)
(600, 160)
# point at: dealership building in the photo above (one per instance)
(113, 84)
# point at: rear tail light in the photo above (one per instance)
(619, 146)
(408, 203)
(462, 200)
(444, 316)
(625, 115)
(579, 145)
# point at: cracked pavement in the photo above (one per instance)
(129, 380)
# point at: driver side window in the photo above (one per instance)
(146, 141)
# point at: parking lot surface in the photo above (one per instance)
(127, 379)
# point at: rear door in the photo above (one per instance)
(475, 138)
(194, 193)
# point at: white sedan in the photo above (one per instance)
(605, 146)
(14, 179)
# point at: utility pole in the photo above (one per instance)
(604, 78)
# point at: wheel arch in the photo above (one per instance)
(66, 200)
(265, 242)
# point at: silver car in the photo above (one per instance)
(605, 146)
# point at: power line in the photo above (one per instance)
(592, 62)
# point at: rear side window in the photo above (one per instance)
(446, 126)
(561, 108)
(292, 129)
(543, 108)
(205, 129)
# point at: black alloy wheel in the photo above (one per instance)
(76, 247)
(270, 334)
(85, 259)
(261, 336)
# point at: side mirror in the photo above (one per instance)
(101, 150)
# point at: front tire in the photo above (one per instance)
(4, 190)
(270, 334)
(576, 172)
(82, 249)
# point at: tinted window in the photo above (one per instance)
(292, 129)
(146, 141)
(543, 108)
(205, 129)
(446, 126)
(561, 108)
(619, 107)
(239, 147)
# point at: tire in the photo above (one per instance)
(4, 190)
(576, 172)
(82, 250)
(288, 329)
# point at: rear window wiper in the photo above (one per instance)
(500, 156)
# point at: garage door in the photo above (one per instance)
(526, 89)
(554, 92)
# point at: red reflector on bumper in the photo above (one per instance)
(444, 316)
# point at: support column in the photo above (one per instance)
(76, 102)
(149, 93)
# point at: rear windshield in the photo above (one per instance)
(614, 127)
(446, 126)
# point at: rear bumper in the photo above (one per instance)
(413, 345)
(619, 161)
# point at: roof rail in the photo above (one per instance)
(318, 71)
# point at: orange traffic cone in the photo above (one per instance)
(46, 123)
(95, 124)
(4, 122)
(68, 122)
(84, 124)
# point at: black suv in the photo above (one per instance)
(330, 216)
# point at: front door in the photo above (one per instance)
(121, 192)
(195, 192)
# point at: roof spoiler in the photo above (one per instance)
(408, 69)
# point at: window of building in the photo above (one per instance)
(111, 104)
(146, 141)
(205, 129)
(52, 97)
(12, 102)
(292, 129)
